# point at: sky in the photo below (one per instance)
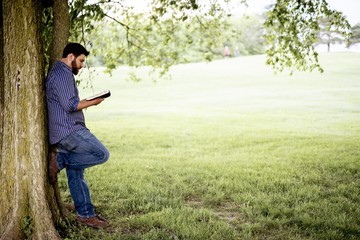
(350, 8)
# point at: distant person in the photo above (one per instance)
(237, 52)
(226, 52)
(73, 146)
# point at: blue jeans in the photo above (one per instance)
(76, 152)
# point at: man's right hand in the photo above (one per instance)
(88, 103)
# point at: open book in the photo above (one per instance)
(103, 94)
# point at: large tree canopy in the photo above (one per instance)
(153, 37)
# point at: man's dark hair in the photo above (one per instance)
(76, 49)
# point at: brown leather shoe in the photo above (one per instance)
(53, 169)
(94, 222)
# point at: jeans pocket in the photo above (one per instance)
(68, 144)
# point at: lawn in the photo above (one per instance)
(227, 150)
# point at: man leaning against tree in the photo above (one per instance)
(73, 146)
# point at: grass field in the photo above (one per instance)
(228, 150)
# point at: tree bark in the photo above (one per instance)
(1, 77)
(24, 189)
(61, 32)
(60, 29)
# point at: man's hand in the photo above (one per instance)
(96, 101)
(88, 103)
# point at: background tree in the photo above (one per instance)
(355, 35)
(328, 34)
(248, 35)
(292, 27)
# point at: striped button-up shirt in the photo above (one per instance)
(62, 98)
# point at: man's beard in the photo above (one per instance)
(75, 69)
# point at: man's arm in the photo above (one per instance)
(88, 103)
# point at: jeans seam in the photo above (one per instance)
(84, 196)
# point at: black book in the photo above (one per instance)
(103, 94)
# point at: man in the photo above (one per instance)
(73, 146)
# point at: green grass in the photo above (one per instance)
(228, 150)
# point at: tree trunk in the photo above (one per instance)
(60, 29)
(1, 79)
(24, 189)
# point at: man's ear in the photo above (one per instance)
(71, 57)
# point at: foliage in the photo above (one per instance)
(47, 32)
(27, 226)
(191, 44)
(82, 18)
(328, 34)
(292, 27)
(247, 34)
(152, 37)
(167, 32)
(355, 35)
